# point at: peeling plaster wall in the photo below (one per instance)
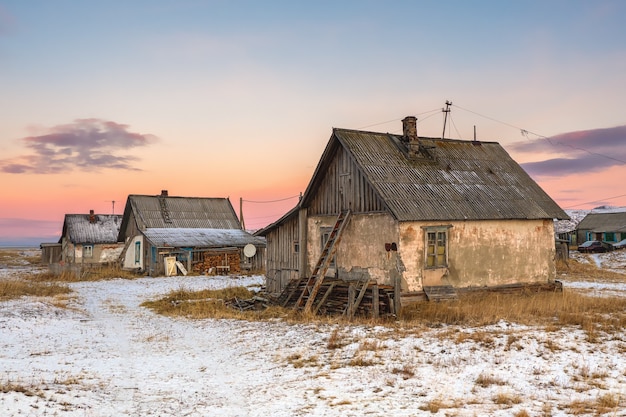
(482, 253)
(106, 253)
(361, 253)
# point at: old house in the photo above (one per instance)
(605, 226)
(196, 234)
(90, 238)
(412, 214)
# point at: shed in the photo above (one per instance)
(51, 252)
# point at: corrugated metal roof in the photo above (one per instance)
(183, 212)
(206, 238)
(604, 222)
(454, 180)
(104, 229)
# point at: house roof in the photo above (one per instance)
(604, 222)
(452, 180)
(82, 228)
(158, 211)
(207, 238)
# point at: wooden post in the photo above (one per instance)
(243, 223)
(375, 302)
(351, 296)
(302, 245)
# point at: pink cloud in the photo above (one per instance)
(85, 144)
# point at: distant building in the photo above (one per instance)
(90, 238)
(605, 226)
(201, 234)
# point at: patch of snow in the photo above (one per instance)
(106, 355)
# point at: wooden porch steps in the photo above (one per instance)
(440, 293)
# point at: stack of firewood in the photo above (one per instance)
(211, 261)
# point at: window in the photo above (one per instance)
(326, 231)
(296, 247)
(87, 251)
(137, 252)
(609, 237)
(436, 247)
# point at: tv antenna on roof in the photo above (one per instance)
(445, 119)
(113, 206)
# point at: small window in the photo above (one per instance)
(326, 231)
(87, 251)
(296, 247)
(436, 247)
(137, 252)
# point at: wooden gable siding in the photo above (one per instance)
(282, 260)
(342, 187)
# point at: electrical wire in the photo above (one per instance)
(596, 201)
(434, 111)
(272, 201)
(552, 142)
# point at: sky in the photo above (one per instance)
(99, 100)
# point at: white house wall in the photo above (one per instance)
(130, 262)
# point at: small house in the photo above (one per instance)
(605, 226)
(412, 214)
(90, 238)
(163, 234)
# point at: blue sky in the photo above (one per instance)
(238, 99)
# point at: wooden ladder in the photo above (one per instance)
(314, 282)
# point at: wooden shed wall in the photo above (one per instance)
(282, 259)
(344, 187)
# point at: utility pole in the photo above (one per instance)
(445, 119)
(243, 223)
(113, 206)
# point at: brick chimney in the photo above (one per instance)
(92, 216)
(164, 193)
(409, 131)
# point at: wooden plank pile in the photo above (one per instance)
(254, 303)
(219, 262)
(339, 297)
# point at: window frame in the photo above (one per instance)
(137, 252)
(88, 251)
(439, 243)
(325, 232)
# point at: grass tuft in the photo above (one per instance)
(12, 289)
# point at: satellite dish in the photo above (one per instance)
(249, 250)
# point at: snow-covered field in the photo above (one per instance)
(107, 356)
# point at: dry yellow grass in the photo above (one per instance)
(596, 316)
(574, 270)
(11, 289)
(605, 403)
(592, 314)
(16, 257)
(99, 274)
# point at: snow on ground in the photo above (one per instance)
(107, 356)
